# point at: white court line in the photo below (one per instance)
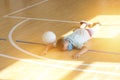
(25, 8)
(25, 51)
(43, 19)
(36, 56)
(45, 58)
(12, 42)
(59, 66)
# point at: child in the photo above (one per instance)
(78, 38)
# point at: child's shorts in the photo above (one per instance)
(90, 31)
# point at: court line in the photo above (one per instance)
(27, 42)
(16, 46)
(108, 52)
(59, 66)
(43, 19)
(26, 8)
(25, 51)
(58, 21)
(3, 39)
(54, 20)
(32, 54)
(51, 20)
(99, 51)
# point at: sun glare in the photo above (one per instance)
(110, 26)
(35, 69)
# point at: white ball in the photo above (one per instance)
(49, 37)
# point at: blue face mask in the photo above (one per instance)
(69, 47)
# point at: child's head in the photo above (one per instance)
(67, 45)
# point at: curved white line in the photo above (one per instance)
(36, 56)
(25, 51)
(25, 8)
(16, 46)
(22, 50)
(59, 66)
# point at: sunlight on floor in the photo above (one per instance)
(34, 70)
(106, 70)
(31, 70)
(110, 26)
(67, 33)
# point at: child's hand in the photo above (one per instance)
(83, 50)
(48, 47)
(76, 56)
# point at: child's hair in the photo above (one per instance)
(70, 46)
(60, 43)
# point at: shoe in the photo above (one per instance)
(95, 23)
(85, 22)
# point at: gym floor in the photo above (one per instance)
(22, 23)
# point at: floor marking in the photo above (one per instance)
(3, 39)
(43, 19)
(27, 42)
(25, 51)
(32, 54)
(104, 52)
(99, 51)
(16, 46)
(59, 66)
(116, 74)
(26, 8)
(54, 20)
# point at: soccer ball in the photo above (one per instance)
(49, 37)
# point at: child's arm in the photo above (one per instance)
(48, 47)
(83, 50)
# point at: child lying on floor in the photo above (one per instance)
(77, 39)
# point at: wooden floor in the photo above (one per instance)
(22, 22)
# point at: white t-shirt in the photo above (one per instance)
(78, 38)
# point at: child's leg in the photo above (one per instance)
(95, 27)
